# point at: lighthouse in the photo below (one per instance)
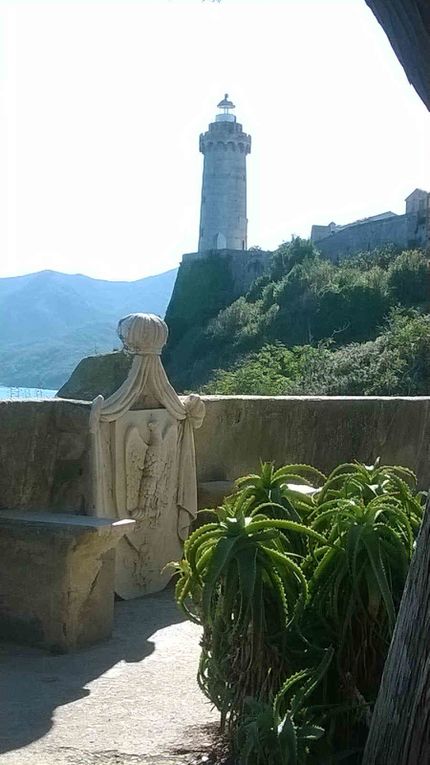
(223, 221)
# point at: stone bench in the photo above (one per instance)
(57, 578)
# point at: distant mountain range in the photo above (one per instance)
(50, 320)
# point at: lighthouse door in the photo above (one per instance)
(220, 242)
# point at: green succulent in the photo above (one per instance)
(296, 583)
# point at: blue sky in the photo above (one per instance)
(102, 103)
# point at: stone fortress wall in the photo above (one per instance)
(45, 445)
(407, 231)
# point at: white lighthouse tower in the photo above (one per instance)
(223, 221)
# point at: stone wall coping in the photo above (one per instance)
(214, 397)
(81, 402)
(64, 521)
(205, 397)
(44, 400)
(314, 398)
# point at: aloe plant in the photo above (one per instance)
(296, 566)
(242, 580)
(369, 516)
(289, 489)
(282, 732)
(365, 482)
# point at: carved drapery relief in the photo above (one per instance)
(144, 460)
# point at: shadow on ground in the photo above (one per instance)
(34, 683)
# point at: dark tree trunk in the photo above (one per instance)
(400, 728)
(407, 26)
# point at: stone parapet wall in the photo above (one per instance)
(44, 448)
(239, 431)
(44, 451)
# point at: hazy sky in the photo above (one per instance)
(102, 103)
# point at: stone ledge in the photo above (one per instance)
(55, 522)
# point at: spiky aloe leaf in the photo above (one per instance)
(288, 744)
(381, 577)
(220, 558)
(299, 528)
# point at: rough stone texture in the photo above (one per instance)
(103, 373)
(131, 700)
(238, 431)
(44, 450)
(57, 578)
(399, 731)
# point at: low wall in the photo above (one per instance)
(239, 431)
(44, 448)
(44, 445)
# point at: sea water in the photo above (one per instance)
(9, 392)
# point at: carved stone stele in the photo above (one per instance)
(144, 460)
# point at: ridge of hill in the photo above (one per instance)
(50, 320)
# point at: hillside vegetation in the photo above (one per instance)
(49, 321)
(310, 326)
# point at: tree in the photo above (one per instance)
(400, 728)
(290, 254)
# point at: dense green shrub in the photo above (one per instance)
(409, 278)
(274, 370)
(395, 363)
(290, 254)
(304, 300)
(297, 583)
(238, 321)
(255, 291)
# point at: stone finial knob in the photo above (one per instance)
(143, 333)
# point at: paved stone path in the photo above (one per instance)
(132, 700)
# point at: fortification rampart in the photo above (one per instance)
(406, 231)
